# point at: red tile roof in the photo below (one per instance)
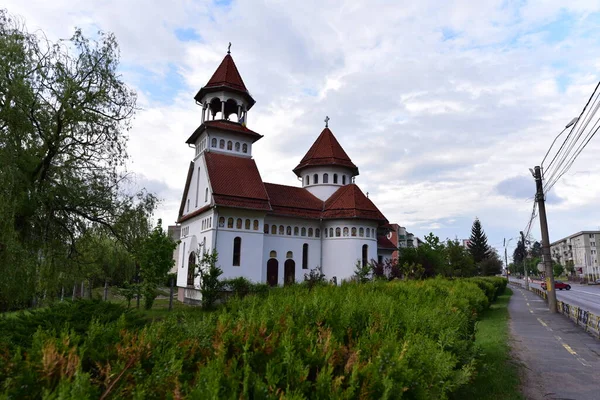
(326, 150)
(350, 202)
(186, 189)
(226, 77)
(193, 214)
(385, 243)
(225, 126)
(236, 182)
(293, 201)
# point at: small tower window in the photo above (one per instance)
(244, 148)
(315, 179)
(213, 142)
(221, 144)
(221, 222)
(229, 145)
(289, 254)
(310, 232)
(247, 224)
(272, 254)
(345, 231)
(334, 178)
(230, 223)
(237, 146)
(330, 232)
(303, 232)
(338, 232)
(325, 232)
(317, 232)
(368, 232)
(188, 205)
(325, 178)
(255, 225)
(238, 223)
(281, 230)
(206, 195)
(266, 229)
(353, 231)
(343, 179)
(237, 251)
(361, 232)
(197, 186)
(296, 231)
(273, 229)
(305, 256)
(365, 254)
(307, 180)
(288, 231)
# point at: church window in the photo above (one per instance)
(210, 222)
(244, 148)
(188, 205)
(317, 232)
(273, 229)
(373, 233)
(338, 232)
(221, 144)
(288, 231)
(238, 223)
(197, 186)
(266, 229)
(273, 254)
(330, 232)
(237, 251)
(230, 223)
(307, 179)
(213, 142)
(334, 178)
(325, 232)
(191, 269)
(368, 232)
(305, 256)
(221, 222)
(289, 254)
(345, 231)
(361, 232)
(296, 231)
(365, 254)
(183, 258)
(353, 231)
(303, 232)
(315, 179)
(343, 179)
(325, 178)
(281, 230)
(255, 225)
(206, 195)
(247, 224)
(310, 232)
(237, 146)
(229, 145)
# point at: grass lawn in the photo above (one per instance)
(498, 378)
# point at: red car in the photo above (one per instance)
(558, 285)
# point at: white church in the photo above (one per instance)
(268, 232)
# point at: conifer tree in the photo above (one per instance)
(478, 245)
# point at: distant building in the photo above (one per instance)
(402, 239)
(465, 243)
(580, 250)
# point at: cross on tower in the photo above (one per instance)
(326, 121)
(229, 48)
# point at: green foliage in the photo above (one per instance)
(315, 277)
(478, 245)
(209, 272)
(362, 272)
(557, 269)
(492, 264)
(241, 287)
(383, 340)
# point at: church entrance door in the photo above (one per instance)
(272, 271)
(289, 272)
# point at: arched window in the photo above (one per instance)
(310, 232)
(244, 148)
(288, 231)
(317, 232)
(303, 232)
(238, 223)
(213, 142)
(230, 223)
(343, 179)
(247, 224)
(183, 257)
(330, 232)
(221, 144)
(229, 145)
(281, 230)
(272, 254)
(206, 195)
(266, 229)
(353, 231)
(221, 222)
(188, 205)
(334, 178)
(273, 229)
(325, 178)
(315, 179)
(237, 146)
(237, 251)
(345, 231)
(325, 232)
(368, 232)
(197, 186)
(365, 254)
(307, 180)
(255, 225)
(373, 233)
(361, 232)
(305, 256)
(338, 232)
(191, 269)
(289, 254)
(296, 231)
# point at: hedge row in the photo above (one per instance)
(377, 340)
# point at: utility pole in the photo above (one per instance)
(524, 263)
(539, 197)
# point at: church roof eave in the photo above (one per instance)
(227, 126)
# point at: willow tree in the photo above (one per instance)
(64, 113)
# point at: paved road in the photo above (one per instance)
(584, 296)
(561, 360)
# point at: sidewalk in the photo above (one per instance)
(561, 360)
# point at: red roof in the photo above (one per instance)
(350, 202)
(326, 150)
(225, 126)
(293, 201)
(193, 214)
(226, 77)
(236, 182)
(385, 243)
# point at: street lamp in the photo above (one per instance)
(570, 124)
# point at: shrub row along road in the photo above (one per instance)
(583, 296)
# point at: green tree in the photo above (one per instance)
(557, 269)
(156, 260)
(519, 254)
(478, 245)
(492, 265)
(536, 249)
(459, 259)
(209, 272)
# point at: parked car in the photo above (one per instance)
(560, 285)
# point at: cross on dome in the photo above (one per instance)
(326, 121)
(229, 48)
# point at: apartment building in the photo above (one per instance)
(580, 250)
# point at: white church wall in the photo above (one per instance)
(194, 232)
(198, 196)
(227, 137)
(324, 190)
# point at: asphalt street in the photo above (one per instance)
(583, 296)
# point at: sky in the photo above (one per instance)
(443, 106)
